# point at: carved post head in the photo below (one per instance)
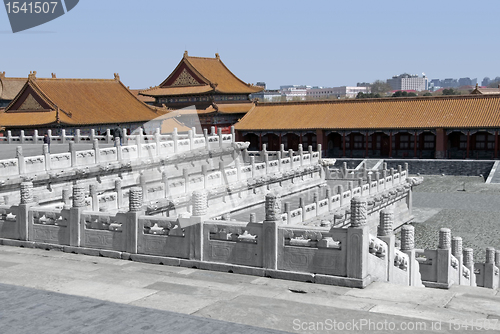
(200, 202)
(118, 184)
(164, 177)
(27, 192)
(253, 218)
(385, 227)
(444, 238)
(273, 207)
(301, 202)
(95, 144)
(79, 196)
(45, 148)
(490, 255)
(135, 199)
(288, 205)
(468, 257)
(406, 166)
(456, 247)
(19, 151)
(359, 212)
(407, 237)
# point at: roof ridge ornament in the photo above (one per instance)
(185, 54)
(32, 75)
(2, 75)
(217, 56)
(117, 77)
(54, 76)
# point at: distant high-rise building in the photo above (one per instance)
(464, 82)
(261, 84)
(449, 83)
(408, 82)
(338, 92)
(486, 81)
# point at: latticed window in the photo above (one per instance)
(406, 142)
(485, 141)
(463, 142)
(358, 141)
(429, 142)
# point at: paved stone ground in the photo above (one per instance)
(466, 205)
(54, 292)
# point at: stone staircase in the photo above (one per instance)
(494, 176)
(371, 164)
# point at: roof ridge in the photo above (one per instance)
(76, 79)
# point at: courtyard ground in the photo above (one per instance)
(465, 204)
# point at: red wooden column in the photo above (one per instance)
(468, 143)
(496, 144)
(366, 144)
(260, 141)
(280, 140)
(390, 144)
(415, 144)
(301, 140)
(343, 144)
(320, 137)
(441, 141)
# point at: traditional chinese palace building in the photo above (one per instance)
(465, 126)
(204, 90)
(86, 104)
(9, 88)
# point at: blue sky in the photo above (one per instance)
(320, 43)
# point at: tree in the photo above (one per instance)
(450, 91)
(380, 87)
(427, 94)
(362, 95)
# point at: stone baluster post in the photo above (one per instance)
(400, 171)
(443, 258)
(290, 155)
(92, 135)
(490, 270)
(97, 153)
(138, 143)
(212, 131)
(72, 152)
(164, 180)
(119, 193)
(132, 226)
(278, 156)
(93, 195)
(468, 256)
(457, 252)
(157, 141)
(358, 241)
(301, 155)
(22, 138)
(77, 136)
(197, 233)
(252, 163)
(109, 137)
(118, 146)
(219, 133)
(233, 134)
(46, 156)
(384, 175)
(191, 139)
(270, 231)
(408, 247)
(340, 191)
(328, 196)
(288, 209)
(377, 178)
(35, 136)
(369, 177)
(175, 138)
(253, 218)
(25, 228)
(66, 198)
(320, 152)
(385, 233)
(63, 136)
(205, 134)
(20, 160)
(302, 206)
(310, 151)
(144, 186)
(76, 228)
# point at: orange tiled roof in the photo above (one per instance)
(465, 111)
(235, 108)
(142, 98)
(9, 87)
(486, 91)
(167, 91)
(80, 102)
(212, 72)
(168, 125)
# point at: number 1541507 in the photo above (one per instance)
(30, 7)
